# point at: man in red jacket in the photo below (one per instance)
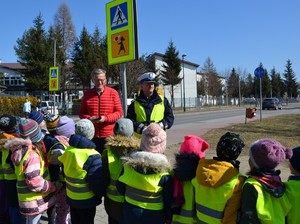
(102, 106)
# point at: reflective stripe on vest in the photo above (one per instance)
(75, 176)
(115, 167)
(268, 207)
(24, 193)
(211, 202)
(143, 190)
(157, 114)
(187, 212)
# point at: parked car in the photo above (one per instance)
(271, 103)
(49, 105)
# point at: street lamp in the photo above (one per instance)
(183, 56)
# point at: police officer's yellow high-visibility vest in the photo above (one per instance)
(211, 202)
(115, 167)
(75, 176)
(143, 190)
(187, 212)
(270, 209)
(157, 113)
(24, 193)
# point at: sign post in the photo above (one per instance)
(121, 31)
(53, 82)
(122, 46)
(259, 72)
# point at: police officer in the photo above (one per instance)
(149, 107)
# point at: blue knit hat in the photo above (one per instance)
(37, 116)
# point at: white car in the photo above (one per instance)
(49, 105)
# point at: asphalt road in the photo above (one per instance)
(198, 123)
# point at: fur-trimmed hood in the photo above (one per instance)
(122, 145)
(147, 162)
(18, 147)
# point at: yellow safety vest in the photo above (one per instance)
(157, 113)
(187, 212)
(293, 194)
(75, 176)
(142, 190)
(7, 169)
(1, 167)
(115, 167)
(270, 209)
(24, 193)
(211, 202)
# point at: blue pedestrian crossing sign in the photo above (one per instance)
(259, 72)
(119, 16)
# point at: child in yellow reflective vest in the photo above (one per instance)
(83, 173)
(118, 145)
(192, 149)
(146, 182)
(218, 183)
(293, 187)
(264, 199)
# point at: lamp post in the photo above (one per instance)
(183, 56)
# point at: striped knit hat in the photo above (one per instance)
(30, 129)
(37, 116)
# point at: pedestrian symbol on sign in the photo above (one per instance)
(119, 16)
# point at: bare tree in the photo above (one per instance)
(64, 35)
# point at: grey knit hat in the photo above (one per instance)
(124, 126)
(85, 128)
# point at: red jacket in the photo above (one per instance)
(107, 104)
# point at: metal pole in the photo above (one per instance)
(124, 88)
(54, 64)
(260, 89)
(239, 92)
(183, 55)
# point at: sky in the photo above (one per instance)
(238, 34)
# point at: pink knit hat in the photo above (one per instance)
(154, 139)
(194, 144)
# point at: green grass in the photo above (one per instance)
(283, 128)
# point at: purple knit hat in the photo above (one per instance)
(268, 153)
(65, 126)
(37, 116)
(30, 129)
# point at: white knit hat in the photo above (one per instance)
(86, 128)
(154, 139)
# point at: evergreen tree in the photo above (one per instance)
(249, 86)
(233, 83)
(277, 86)
(291, 85)
(82, 57)
(35, 53)
(171, 69)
